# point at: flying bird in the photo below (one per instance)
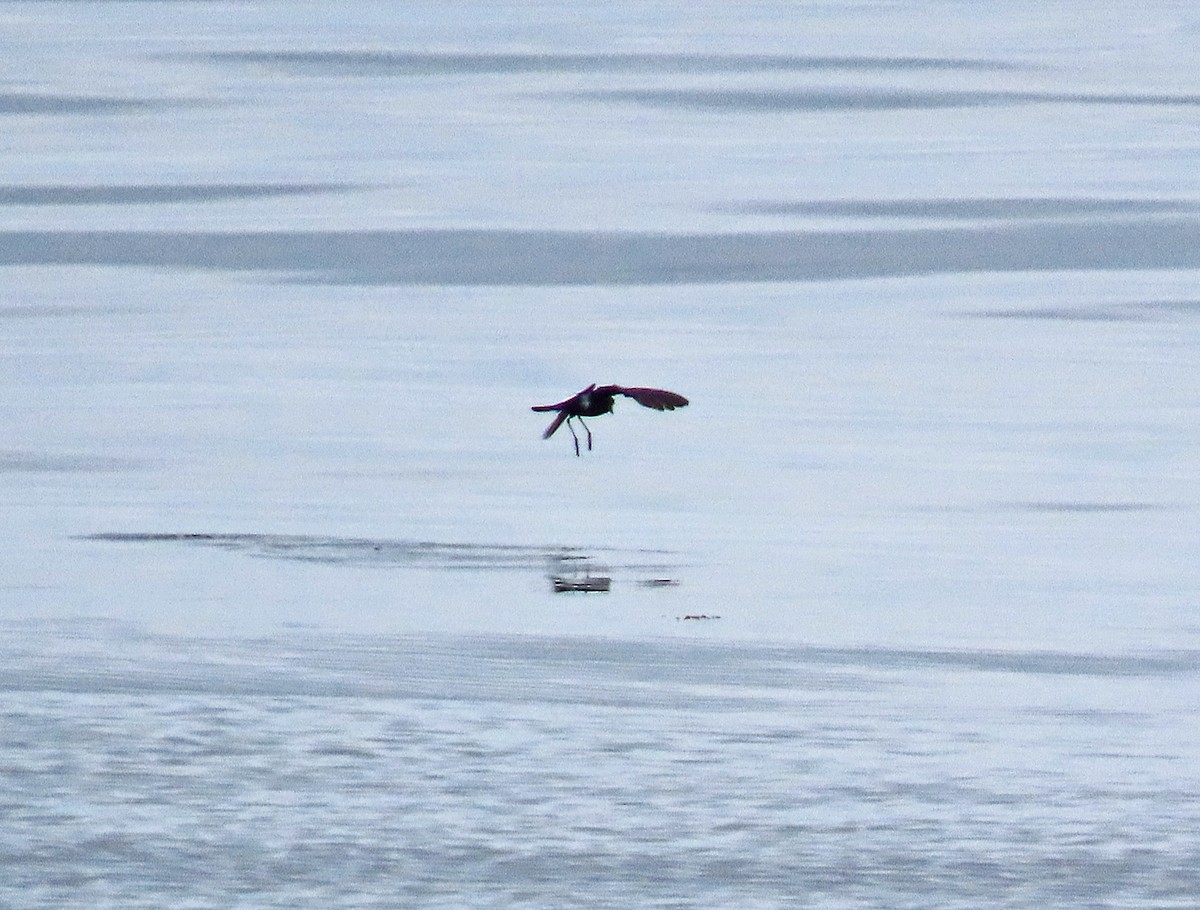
(596, 400)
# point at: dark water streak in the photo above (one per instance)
(18, 103)
(1148, 311)
(971, 209)
(832, 100)
(366, 551)
(552, 257)
(460, 63)
(158, 193)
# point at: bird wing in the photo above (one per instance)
(566, 401)
(658, 399)
(554, 424)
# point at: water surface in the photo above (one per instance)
(899, 612)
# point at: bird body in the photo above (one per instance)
(597, 400)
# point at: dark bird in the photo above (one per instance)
(596, 400)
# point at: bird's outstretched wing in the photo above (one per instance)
(566, 401)
(658, 399)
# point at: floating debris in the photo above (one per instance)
(699, 616)
(659, 583)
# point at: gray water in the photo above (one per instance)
(901, 611)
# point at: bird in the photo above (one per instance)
(596, 400)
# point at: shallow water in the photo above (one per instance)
(900, 611)
(493, 771)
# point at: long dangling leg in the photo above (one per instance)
(589, 432)
(573, 436)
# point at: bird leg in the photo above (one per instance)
(589, 433)
(576, 438)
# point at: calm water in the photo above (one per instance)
(902, 610)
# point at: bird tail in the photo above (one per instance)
(555, 424)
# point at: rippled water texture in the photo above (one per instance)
(565, 772)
